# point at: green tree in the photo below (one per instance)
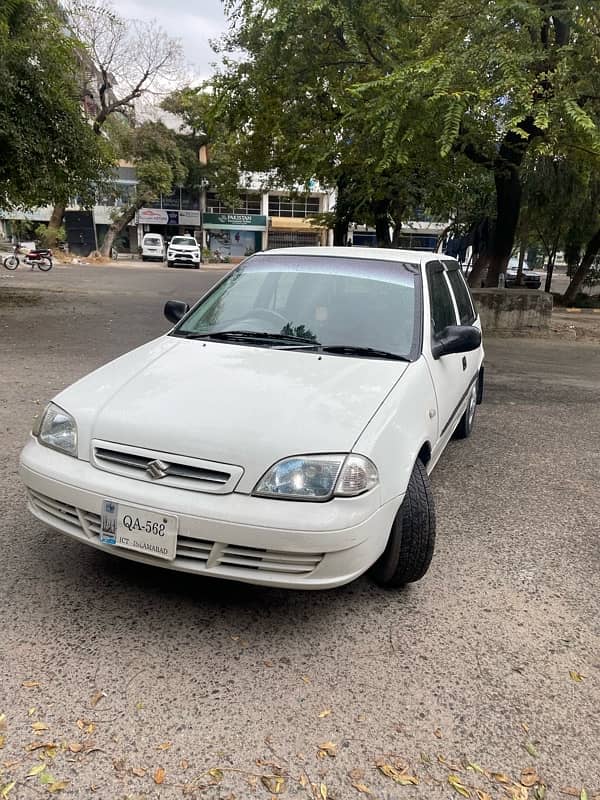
(46, 145)
(339, 85)
(154, 151)
(121, 62)
(504, 79)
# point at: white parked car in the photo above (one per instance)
(153, 247)
(183, 251)
(282, 432)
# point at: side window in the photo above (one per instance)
(440, 299)
(462, 296)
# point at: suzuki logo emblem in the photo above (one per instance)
(157, 469)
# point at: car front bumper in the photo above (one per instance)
(238, 537)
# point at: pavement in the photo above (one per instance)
(128, 681)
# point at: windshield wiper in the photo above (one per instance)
(245, 335)
(355, 350)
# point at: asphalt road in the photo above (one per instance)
(220, 684)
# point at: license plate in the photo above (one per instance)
(149, 532)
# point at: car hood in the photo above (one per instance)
(184, 248)
(246, 406)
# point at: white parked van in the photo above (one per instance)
(153, 247)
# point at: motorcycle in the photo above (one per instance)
(40, 258)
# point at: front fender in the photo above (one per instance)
(405, 421)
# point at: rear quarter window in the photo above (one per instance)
(462, 295)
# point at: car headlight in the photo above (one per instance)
(56, 428)
(318, 477)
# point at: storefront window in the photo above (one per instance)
(283, 206)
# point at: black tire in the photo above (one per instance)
(465, 427)
(144, 258)
(11, 262)
(169, 263)
(45, 264)
(410, 547)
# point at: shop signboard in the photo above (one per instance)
(163, 216)
(254, 222)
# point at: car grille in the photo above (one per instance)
(178, 471)
(182, 257)
(203, 552)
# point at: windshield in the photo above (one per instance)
(188, 241)
(326, 300)
(152, 240)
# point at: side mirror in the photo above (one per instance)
(175, 310)
(456, 339)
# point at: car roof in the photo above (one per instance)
(372, 253)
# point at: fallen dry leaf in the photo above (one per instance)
(570, 790)
(584, 794)
(500, 777)
(360, 787)
(75, 747)
(165, 746)
(327, 749)
(305, 678)
(38, 746)
(481, 795)
(57, 786)
(216, 774)
(10, 764)
(96, 697)
(437, 733)
(403, 778)
(325, 713)
(138, 771)
(454, 767)
(38, 727)
(36, 770)
(540, 791)
(269, 664)
(184, 764)
(525, 727)
(159, 776)
(454, 781)
(475, 767)
(529, 776)
(531, 749)
(31, 711)
(2, 742)
(273, 783)
(517, 792)
(30, 684)
(323, 791)
(576, 676)
(8, 787)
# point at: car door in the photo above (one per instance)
(449, 374)
(466, 315)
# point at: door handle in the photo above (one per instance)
(464, 363)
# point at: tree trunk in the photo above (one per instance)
(56, 218)
(397, 216)
(591, 251)
(550, 266)
(380, 210)
(477, 270)
(508, 206)
(118, 226)
(340, 232)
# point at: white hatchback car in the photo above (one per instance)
(153, 247)
(282, 432)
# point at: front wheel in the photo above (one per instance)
(170, 263)
(12, 262)
(45, 264)
(410, 547)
